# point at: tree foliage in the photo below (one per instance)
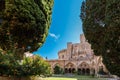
(24, 24)
(58, 70)
(101, 26)
(29, 66)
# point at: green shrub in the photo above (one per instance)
(29, 66)
(58, 70)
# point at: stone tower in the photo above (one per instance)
(69, 49)
(82, 38)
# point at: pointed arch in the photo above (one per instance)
(70, 65)
(56, 64)
(83, 65)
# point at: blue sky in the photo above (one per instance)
(66, 27)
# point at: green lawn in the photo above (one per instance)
(73, 78)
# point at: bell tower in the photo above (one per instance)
(82, 38)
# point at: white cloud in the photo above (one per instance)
(54, 36)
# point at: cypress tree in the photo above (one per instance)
(24, 24)
(101, 26)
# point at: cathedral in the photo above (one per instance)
(78, 57)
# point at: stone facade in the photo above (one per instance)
(78, 57)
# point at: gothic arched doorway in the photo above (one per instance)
(87, 71)
(69, 68)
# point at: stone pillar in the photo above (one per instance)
(91, 72)
(96, 70)
(81, 72)
(85, 72)
(76, 67)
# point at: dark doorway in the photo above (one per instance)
(79, 71)
(87, 71)
(73, 70)
(66, 70)
(93, 71)
(83, 71)
(70, 70)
